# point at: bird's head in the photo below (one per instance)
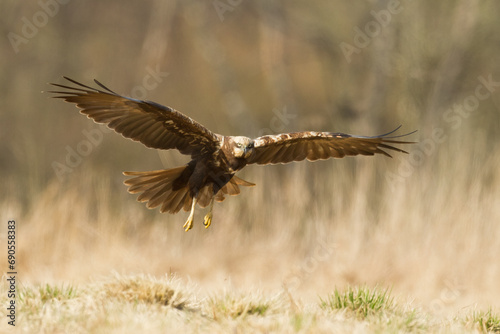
(242, 147)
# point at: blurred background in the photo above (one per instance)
(427, 223)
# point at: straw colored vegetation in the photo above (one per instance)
(128, 304)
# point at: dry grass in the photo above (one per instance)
(128, 304)
(345, 232)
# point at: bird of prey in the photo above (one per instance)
(210, 175)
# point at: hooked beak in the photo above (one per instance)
(247, 152)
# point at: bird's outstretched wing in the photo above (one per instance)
(310, 145)
(152, 124)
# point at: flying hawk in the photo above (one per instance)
(210, 175)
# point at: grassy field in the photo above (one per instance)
(365, 244)
(131, 304)
(413, 271)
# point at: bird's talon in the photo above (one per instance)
(188, 225)
(208, 220)
(189, 222)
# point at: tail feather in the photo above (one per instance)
(146, 184)
(154, 191)
(157, 189)
(159, 197)
(231, 188)
(178, 199)
(143, 180)
(205, 196)
(168, 204)
(242, 182)
(188, 200)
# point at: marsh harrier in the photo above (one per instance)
(210, 175)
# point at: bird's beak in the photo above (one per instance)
(247, 152)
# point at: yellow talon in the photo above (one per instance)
(188, 225)
(189, 222)
(208, 217)
(208, 220)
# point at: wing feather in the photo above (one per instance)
(152, 124)
(298, 154)
(310, 145)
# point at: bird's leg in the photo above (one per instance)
(189, 222)
(208, 216)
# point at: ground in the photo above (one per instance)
(131, 304)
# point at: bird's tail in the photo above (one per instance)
(168, 188)
(157, 188)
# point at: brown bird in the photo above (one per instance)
(210, 175)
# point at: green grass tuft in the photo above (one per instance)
(376, 306)
(361, 301)
(486, 322)
(49, 292)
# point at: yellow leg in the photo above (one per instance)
(208, 216)
(189, 222)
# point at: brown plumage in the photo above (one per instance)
(157, 188)
(210, 175)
